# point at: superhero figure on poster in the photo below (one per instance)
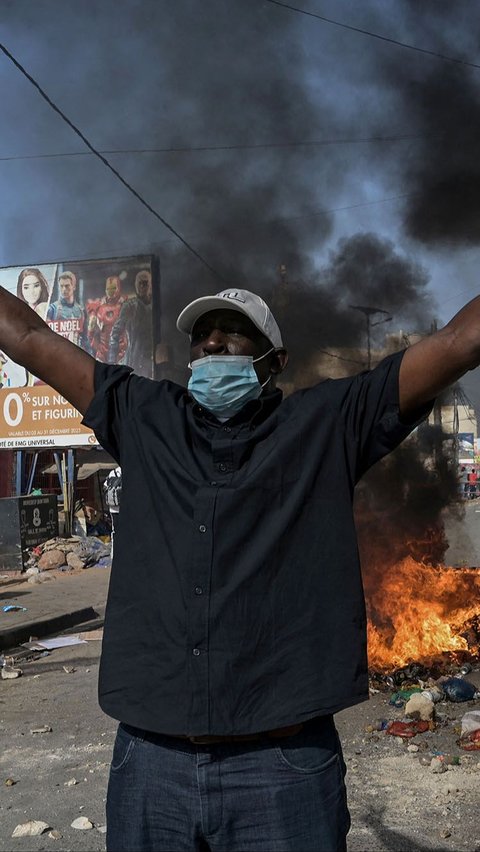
(102, 316)
(66, 316)
(136, 321)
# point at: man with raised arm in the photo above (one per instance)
(235, 625)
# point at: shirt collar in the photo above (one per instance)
(252, 413)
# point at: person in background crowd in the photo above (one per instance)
(135, 321)
(463, 480)
(113, 491)
(95, 521)
(235, 626)
(32, 287)
(472, 482)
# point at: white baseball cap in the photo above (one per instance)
(233, 300)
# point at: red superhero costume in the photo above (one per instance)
(102, 316)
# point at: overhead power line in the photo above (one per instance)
(205, 148)
(340, 357)
(114, 253)
(389, 40)
(108, 164)
(315, 213)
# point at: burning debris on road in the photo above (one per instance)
(423, 613)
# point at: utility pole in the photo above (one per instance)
(368, 313)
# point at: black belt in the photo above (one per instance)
(288, 731)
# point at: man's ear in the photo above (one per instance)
(278, 361)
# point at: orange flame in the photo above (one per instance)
(417, 612)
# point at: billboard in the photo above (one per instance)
(466, 445)
(103, 306)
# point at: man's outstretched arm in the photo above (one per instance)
(437, 361)
(28, 340)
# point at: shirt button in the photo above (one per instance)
(213, 482)
(196, 652)
(198, 590)
(227, 429)
(202, 528)
(222, 466)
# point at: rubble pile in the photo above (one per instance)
(67, 554)
(424, 701)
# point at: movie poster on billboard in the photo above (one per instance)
(103, 306)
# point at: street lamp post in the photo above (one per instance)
(368, 313)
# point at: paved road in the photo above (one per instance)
(396, 802)
(463, 534)
(79, 747)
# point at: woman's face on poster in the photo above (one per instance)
(31, 289)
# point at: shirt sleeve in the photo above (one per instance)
(114, 389)
(372, 413)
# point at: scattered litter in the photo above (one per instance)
(51, 644)
(13, 608)
(470, 722)
(398, 698)
(69, 669)
(420, 707)
(71, 782)
(408, 729)
(412, 671)
(55, 834)
(448, 759)
(38, 578)
(437, 766)
(378, 725)
(445, 832)
(32, 828)
(471, 741)
(10, 672)
(102, 829)
(435, 694)
(82, 823)
(44, 729)
(457, 689)
(10, 782)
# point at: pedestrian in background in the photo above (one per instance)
(113, 490)
(472, 482)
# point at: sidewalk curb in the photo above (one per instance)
(10, 637)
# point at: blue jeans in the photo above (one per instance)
(286, 794)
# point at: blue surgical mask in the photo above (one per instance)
(223, 384)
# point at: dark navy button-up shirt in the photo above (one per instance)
(236, 601)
